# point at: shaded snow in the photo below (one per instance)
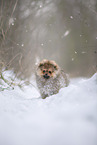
(67, 118)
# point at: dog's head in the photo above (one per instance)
(48, 69)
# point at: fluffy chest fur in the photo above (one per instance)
(50, 86)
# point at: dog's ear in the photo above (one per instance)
(41, 64)
(56, 67)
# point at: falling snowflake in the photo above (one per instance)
(72, 59)
(66, 33)
(42, 44)
(11, 21)
(22, 45)
(71, 17)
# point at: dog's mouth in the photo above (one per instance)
(46, 76)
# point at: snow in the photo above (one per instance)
(11, 21)
(67, 118)
(66, 33)
(71, 17)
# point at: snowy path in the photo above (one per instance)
(68, 118)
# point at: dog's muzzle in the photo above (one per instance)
(46, 76)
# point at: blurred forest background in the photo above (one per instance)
(61, 30)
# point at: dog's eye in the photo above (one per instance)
(50, 72)
(43, 71)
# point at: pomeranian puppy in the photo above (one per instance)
(50, 78)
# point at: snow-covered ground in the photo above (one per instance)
(67, 118)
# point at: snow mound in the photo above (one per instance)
(67, 118)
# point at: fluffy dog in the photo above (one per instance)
(50, 78)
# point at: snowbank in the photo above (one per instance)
(67, 118)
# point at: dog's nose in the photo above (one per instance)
(46, 76)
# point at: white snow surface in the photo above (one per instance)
(67, 118)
